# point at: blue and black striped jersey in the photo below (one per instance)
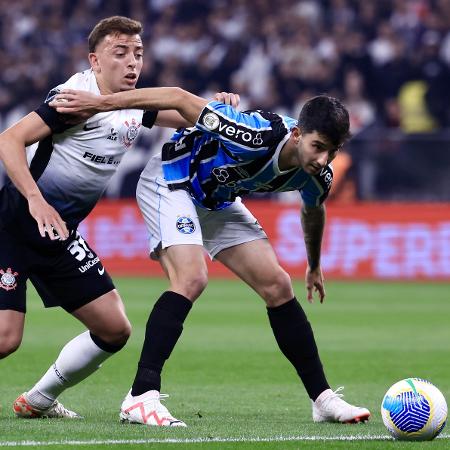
(230, 153)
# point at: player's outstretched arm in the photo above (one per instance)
(12, 153)
(173, 119)
(189, 106)
(313, 224)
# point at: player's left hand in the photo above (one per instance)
(82, 104)
(314, 281)
(229, 98)
(48, 219)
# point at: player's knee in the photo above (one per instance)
(122, 333)
(193, 283)
(277, 289)
(8, 345)
(117, 335)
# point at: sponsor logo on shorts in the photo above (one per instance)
(185, 225)
(8, 279)
(89, 264)
(211, 121)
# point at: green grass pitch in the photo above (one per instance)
(227, 379)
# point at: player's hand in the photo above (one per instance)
(314, 282)
(229, 98)
(82, 104)
(47, 218)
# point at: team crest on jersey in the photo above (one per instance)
(8, 279)
(185, 225)
(131, 133)
(211, 121)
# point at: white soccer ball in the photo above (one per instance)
(414, 410)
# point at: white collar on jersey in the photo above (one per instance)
(276, 157)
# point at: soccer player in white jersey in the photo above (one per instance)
(193, 201)
(47, 199)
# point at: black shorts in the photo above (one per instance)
(67, 274)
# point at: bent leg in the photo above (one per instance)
(106, 319)
(185, 267)
(11, 331)
(108, 332)
(255, 262)
(186, 270)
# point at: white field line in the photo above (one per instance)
(380, 437)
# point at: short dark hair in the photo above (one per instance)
(326, 115)
(112, 25)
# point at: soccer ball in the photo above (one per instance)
(414, 410)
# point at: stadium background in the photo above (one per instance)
(389, 217)
(389, 61)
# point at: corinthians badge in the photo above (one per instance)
(8, 279)
(131, 132)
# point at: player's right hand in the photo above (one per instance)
(314, 282)
(48, 219)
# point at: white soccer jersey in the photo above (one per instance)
(72, 167)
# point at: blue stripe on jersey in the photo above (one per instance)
(231, 153)
(240, 132)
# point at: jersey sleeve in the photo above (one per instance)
(239, 132)
(316, 189)
(149, 118)
(56, 122)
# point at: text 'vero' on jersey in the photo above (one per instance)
(230, 153)
(73, 165)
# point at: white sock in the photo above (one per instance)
(78, 359)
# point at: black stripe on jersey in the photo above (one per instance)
(185, 186)
(56, 122)
(41, 157)
(183, 146)
(278, 182)
(276, 121)
(237, 132)
(149, 118)
(236, 173)
(325, 178)
(209, 150)
(323, 197)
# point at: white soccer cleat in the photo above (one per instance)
(23, 409)
(147, 409)
(329, 407)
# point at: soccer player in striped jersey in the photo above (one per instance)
(191, 200)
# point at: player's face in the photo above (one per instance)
(314, 152)
(117, 62)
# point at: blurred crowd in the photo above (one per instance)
(388, 60)
(384, 58)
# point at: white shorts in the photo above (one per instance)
(173, 219)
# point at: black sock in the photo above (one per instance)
(295, 338)
(164, 327)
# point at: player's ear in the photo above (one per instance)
(296, 133)
(93, 60)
